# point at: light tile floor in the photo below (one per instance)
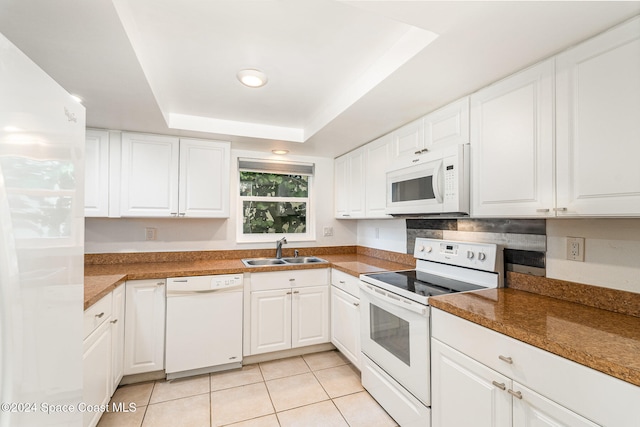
(320, 389)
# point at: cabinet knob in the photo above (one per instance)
(501, 386)
(506, 359)
(516, 394)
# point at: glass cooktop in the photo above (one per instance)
(422, 283)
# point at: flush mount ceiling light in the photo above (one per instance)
(280, 151)
(252, 78)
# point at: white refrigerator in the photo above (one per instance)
(41, 246)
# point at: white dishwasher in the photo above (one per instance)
(204, 324)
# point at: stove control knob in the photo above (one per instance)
(470, 254)
(482, 256)
(428, 249)
(421, 248)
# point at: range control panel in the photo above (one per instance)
(480, 256)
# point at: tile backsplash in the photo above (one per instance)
(524, 240)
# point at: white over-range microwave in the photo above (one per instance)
(436, 182)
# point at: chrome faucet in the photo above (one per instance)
(279, 244)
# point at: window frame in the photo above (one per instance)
(310, 232)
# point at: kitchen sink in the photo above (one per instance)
(303, 260)
(262, 262)
(259, 262)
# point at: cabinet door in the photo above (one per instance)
(117, 337)
(408, 140)
(465, 392)
(447, 126)
(144, 326)
(270, 321)
(512, 145)
(310, 316)
(149, 180)
(341, 190)
(204, 179)
(598, 125)
(356, 187)
(345, 324)
(96, 379)
(378, 155)
(534, 410)
(96, 174)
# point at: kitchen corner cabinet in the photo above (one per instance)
(144, 326)
(345, 315)
(598, 125)
(164, 176)
(96, 178)
(350, 185)
(289, 309)
(512, 145)
(500, 381)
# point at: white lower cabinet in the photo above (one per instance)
(483, 378)
(144, 326)
(103, 352)
(345, 315)
(289, 309)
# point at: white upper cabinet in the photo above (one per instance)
(512, 145)
(447, 126)
(408, 140)
(96, 181)
(377, 159)
(598, 125)
(163, 176)
(349, 185)
(204, 179)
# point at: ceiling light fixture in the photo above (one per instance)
(281, 152)
(252, 78)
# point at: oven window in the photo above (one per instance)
(413, 189)
(391, 332)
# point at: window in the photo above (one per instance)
(275, 200)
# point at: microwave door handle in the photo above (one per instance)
(436, 182)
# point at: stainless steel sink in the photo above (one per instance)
(259, 262)
(262, 262)
(303, 260)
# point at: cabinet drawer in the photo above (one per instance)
(346, 282)
(97, 314)
(289, 279)
(599, 397)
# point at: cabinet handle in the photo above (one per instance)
(289, 293)
(174, 213)
(346, 215)
(418, 152)
(114, 321)
(159, 283)
(560, 209)
(542, 210)
(501, 386)
(99, 316)
(515, 393)
(506, 359)
(424, 150)
(292, 280)
(342, 281)
(182, 213)
(296, 292)
(415, 160)
(357, 304)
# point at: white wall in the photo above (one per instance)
(386, 234)
(612, 252)
(174, 234)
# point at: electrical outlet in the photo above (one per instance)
(575, 248)
(150, 233)
(327, 231)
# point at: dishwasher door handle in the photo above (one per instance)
(206, 291)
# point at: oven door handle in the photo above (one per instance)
(391, 298)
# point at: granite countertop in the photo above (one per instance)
(600, 339)
(100, 279)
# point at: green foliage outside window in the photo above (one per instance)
(261, 215)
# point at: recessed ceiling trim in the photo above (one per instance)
(230, 127)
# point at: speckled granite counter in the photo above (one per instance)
(112, 269)
(600, 339)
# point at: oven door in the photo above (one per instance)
(394, 334)
(416, 189)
